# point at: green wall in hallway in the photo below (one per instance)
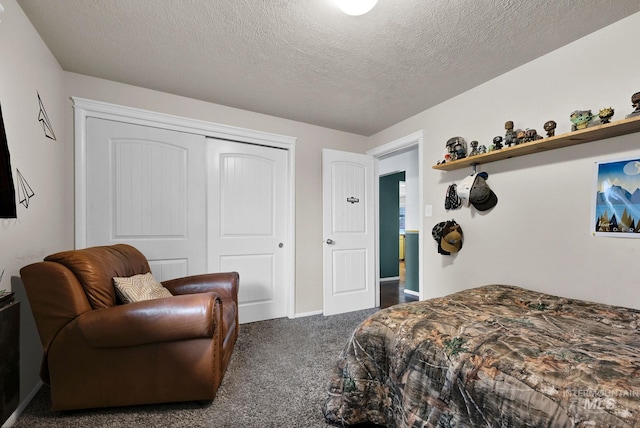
(390, 224)
(411, 261)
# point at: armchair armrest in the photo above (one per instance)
(224, 284)
(151, 321)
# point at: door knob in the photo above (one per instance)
(280, 245)
(330, 241)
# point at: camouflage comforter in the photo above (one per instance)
(493, 356)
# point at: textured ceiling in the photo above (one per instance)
(304, 59)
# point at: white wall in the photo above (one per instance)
(26, 69)
(538, 236)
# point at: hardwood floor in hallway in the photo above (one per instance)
(392, 292)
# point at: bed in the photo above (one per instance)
(492, 356)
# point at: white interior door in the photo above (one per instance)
(248, 227)
(146, 187)
(349, 232)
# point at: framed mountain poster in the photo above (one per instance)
(616, 211)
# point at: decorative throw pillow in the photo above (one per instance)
(139, 287)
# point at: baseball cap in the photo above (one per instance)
(481, 196)
(464, 188)
(448, 235)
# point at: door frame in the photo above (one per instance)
(413, 140)
(85, 108)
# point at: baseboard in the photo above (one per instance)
(411, 292)
(390, 278)
(23, 405)
(307, 314)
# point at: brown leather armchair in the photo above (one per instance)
(101, 353)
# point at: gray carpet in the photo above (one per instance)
(277, 377)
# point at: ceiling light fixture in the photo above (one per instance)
(356, 7)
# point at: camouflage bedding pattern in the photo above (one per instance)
(493, 356)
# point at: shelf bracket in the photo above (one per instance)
(473, 168)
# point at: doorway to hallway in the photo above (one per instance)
(399, 223)
(392, 233)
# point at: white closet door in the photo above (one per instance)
(146, 187)
(248, 223)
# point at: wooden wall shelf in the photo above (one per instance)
(598, 132)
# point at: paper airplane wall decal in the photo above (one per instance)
(44, 121)
(24, 190)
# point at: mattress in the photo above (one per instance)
(492, 356)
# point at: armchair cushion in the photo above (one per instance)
(139, 287)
